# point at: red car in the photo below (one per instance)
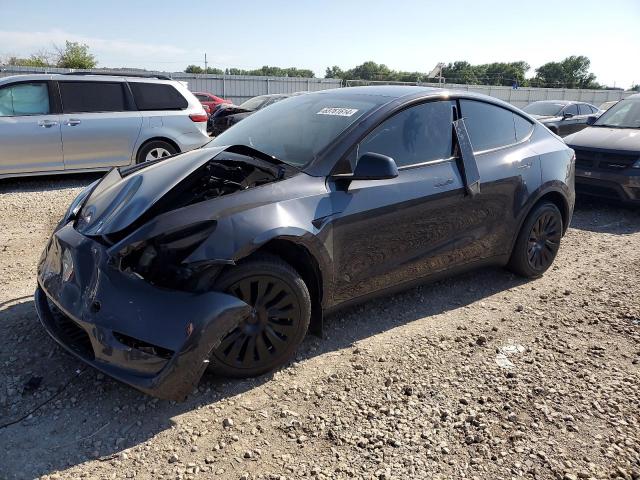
(209, 101)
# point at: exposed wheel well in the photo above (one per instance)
(154, 139)
(306, 265)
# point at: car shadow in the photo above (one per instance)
(96, 417)
(47, 182)
(605, 216)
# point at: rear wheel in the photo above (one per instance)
(281, 310)
(155, 150)
(538, 241)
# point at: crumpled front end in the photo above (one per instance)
(155, 339)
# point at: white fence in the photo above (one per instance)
(522, 96)
(239, 88)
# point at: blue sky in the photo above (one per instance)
(405, 35)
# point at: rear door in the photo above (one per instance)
(509, 168)
(29, 128)
(422, 222)
(100, 124)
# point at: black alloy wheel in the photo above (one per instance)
(538, 241)
(278, 322)
(544, 240)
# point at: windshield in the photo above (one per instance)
(295, 130)
(544, 109)
(254, 103)
(624, 114)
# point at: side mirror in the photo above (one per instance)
(374, 166)
(566, 115)
(592, 119)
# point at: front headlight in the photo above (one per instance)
(77, 203)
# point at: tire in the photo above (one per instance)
(538, 241)
(270, 336)
(154, 150)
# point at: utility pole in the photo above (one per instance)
(205, 63)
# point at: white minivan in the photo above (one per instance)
(59, 123)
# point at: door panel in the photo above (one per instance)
(29, 131)
(99, 124)
(396, 231)
(30, 144)
(92, 140)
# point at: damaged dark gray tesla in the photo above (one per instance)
(226, 256)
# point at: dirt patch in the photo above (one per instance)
(413, 385)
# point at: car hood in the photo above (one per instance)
(123, 196)
(627, 139)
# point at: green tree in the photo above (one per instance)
(193, 69)
(635, 88)
(75, 55)
(572, 72)
(334, 72)
(40, 59)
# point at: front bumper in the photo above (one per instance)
(617, 186)
(154, 339)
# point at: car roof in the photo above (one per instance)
(559, 102)
(81, 76)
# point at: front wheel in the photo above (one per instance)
(281, 311)
(538, 241)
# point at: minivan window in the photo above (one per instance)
(415, 135)
(86, 97)
(489, 126)
(24, 99)
(157, 96)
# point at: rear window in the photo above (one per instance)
(489, 126)
(82, 97)
(157, 96)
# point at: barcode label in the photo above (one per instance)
(337, 111)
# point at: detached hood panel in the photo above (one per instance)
(118, 201)
(627, 139)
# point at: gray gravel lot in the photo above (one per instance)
(407, 386)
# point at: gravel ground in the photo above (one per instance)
(482, 376)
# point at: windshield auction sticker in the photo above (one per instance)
(337, 111)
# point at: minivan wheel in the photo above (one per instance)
(538, 241)
(281, 311)
(155, 150)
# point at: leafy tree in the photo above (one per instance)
(198, 69)
(498, 73)
(193, 69)
(572, 72)
(75, 55)
(39, 59)
(635, 88)
(334, 72)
